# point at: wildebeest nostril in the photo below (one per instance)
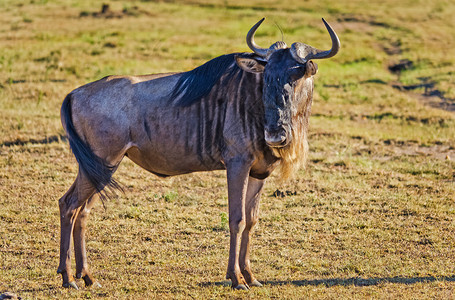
(276, 139)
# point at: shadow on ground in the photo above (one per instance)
(356, 281)
(47, 140)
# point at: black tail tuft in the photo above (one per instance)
(96, 170)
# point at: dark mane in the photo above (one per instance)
(197, 83)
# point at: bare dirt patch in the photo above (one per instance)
(107, 13)
(359, 23)
(413, 148)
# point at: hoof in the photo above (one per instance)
(97, 285)
(255, 283)
(71, 284)
(90, 281)
(243, 287)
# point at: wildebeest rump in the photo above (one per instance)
(243, 112)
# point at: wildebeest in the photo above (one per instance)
(243, 112)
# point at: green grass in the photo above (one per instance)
(371, 216)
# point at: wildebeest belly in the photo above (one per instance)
(171, 162)
(171, 140)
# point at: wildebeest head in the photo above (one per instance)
(288, 82)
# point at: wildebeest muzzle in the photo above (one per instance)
(277, 137)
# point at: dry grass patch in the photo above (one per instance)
(371, 216)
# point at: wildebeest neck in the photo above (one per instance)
(197, 83)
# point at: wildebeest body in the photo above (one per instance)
(170, 138)
(243, 112)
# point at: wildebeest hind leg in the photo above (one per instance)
(82, 269)
(252, 215)
(70, 205)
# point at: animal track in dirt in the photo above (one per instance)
(393, 47)
(431, 96)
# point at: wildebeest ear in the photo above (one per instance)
(311, 68)
(250, 64)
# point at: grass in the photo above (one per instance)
(372, 215)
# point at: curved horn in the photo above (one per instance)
(335, 44)
(303, 53)
(250, 40)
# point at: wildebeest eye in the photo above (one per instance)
(297, 72)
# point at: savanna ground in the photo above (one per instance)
(372, 216)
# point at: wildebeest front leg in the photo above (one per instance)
(82, 270)
(237, 179)
(252, 215)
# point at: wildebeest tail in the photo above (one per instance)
(96, 170)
